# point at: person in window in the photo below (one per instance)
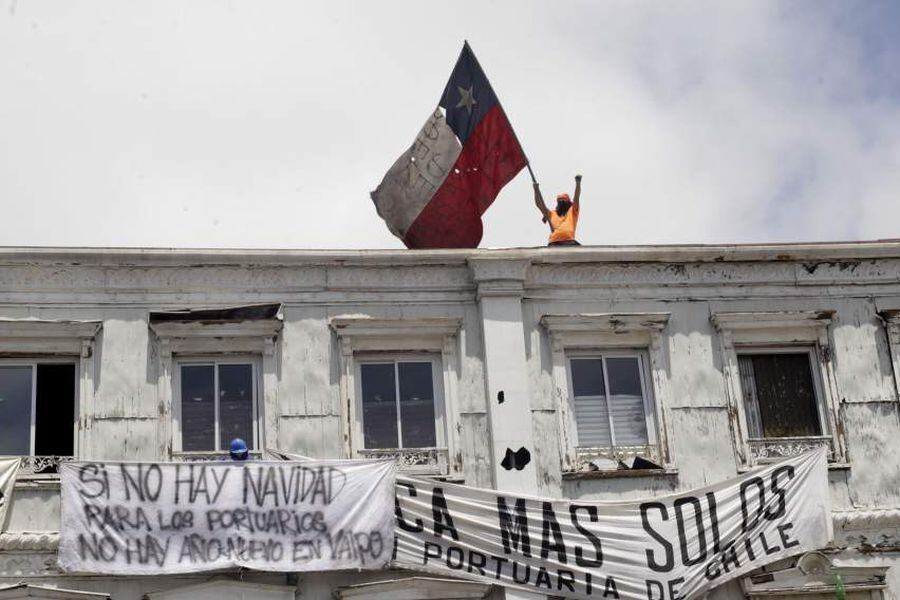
(564, 219)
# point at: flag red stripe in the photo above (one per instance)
(490, 158)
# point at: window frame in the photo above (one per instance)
(609, 333)
(646, 390)
(33, 362)
(215, 361)
(390, 337)
(440, 426)
(810, 351)
(891, 320)
(189, 340)
(65, 340)
(743, 333)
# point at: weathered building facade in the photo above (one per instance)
(700, 361)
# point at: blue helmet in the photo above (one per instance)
(238, 449)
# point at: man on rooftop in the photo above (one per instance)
(564, 219)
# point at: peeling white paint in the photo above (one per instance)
(306, 410)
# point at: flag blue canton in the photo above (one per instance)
(468, 96)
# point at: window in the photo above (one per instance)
(610, 380)
(780, 384)
(217, 378)
(401, 406)
(218, 402)
(399, 378)
(891, 320)
(45, 384)
(37, 408)
(780, 395)
(610, 400)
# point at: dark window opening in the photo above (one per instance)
(37, 410)
(54, 414)
(780, 395)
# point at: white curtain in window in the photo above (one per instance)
(592, 419)
(748, 387)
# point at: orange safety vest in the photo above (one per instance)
(563, 227)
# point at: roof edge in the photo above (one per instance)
(813, 251)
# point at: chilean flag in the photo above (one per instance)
(435, 193)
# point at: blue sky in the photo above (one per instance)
(266, 124)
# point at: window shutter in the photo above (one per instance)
(589, 391)
(626, 400)
(629, 420)
(592, 419)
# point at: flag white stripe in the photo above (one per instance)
(415, 177)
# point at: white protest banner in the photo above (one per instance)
(157, 518)
(668, 548)
(9, 467)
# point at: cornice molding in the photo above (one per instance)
(359, 334)
(486, 268)
(876, 518)
(198, 338)
(48, 329)
(360, 326)
(605, 322)
(41, 541)
(39, 336)
(264, 328)
(820, 253)
(427, 587)
(34, 590)
(733, 321)
(499, 277)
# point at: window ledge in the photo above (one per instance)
(839, 466)
(835, 466)
(211, 456)
(458, 480)
(37, 482)
(618, 473)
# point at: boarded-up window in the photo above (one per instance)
(609, 400)
(779, 394)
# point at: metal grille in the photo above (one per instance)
(432, 461)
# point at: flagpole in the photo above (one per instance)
(500, 104)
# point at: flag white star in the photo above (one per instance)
(466, 98)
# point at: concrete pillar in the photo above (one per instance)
(500, 290)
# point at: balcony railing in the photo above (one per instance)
(210, 456)
(40, 467)
(766, 450)
(425, 461)
(585, 455)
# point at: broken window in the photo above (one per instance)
(37, 409)
(401, 403)
(780, 395)
(611, 404)
(218, 404)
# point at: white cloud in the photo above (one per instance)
(265, 124)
